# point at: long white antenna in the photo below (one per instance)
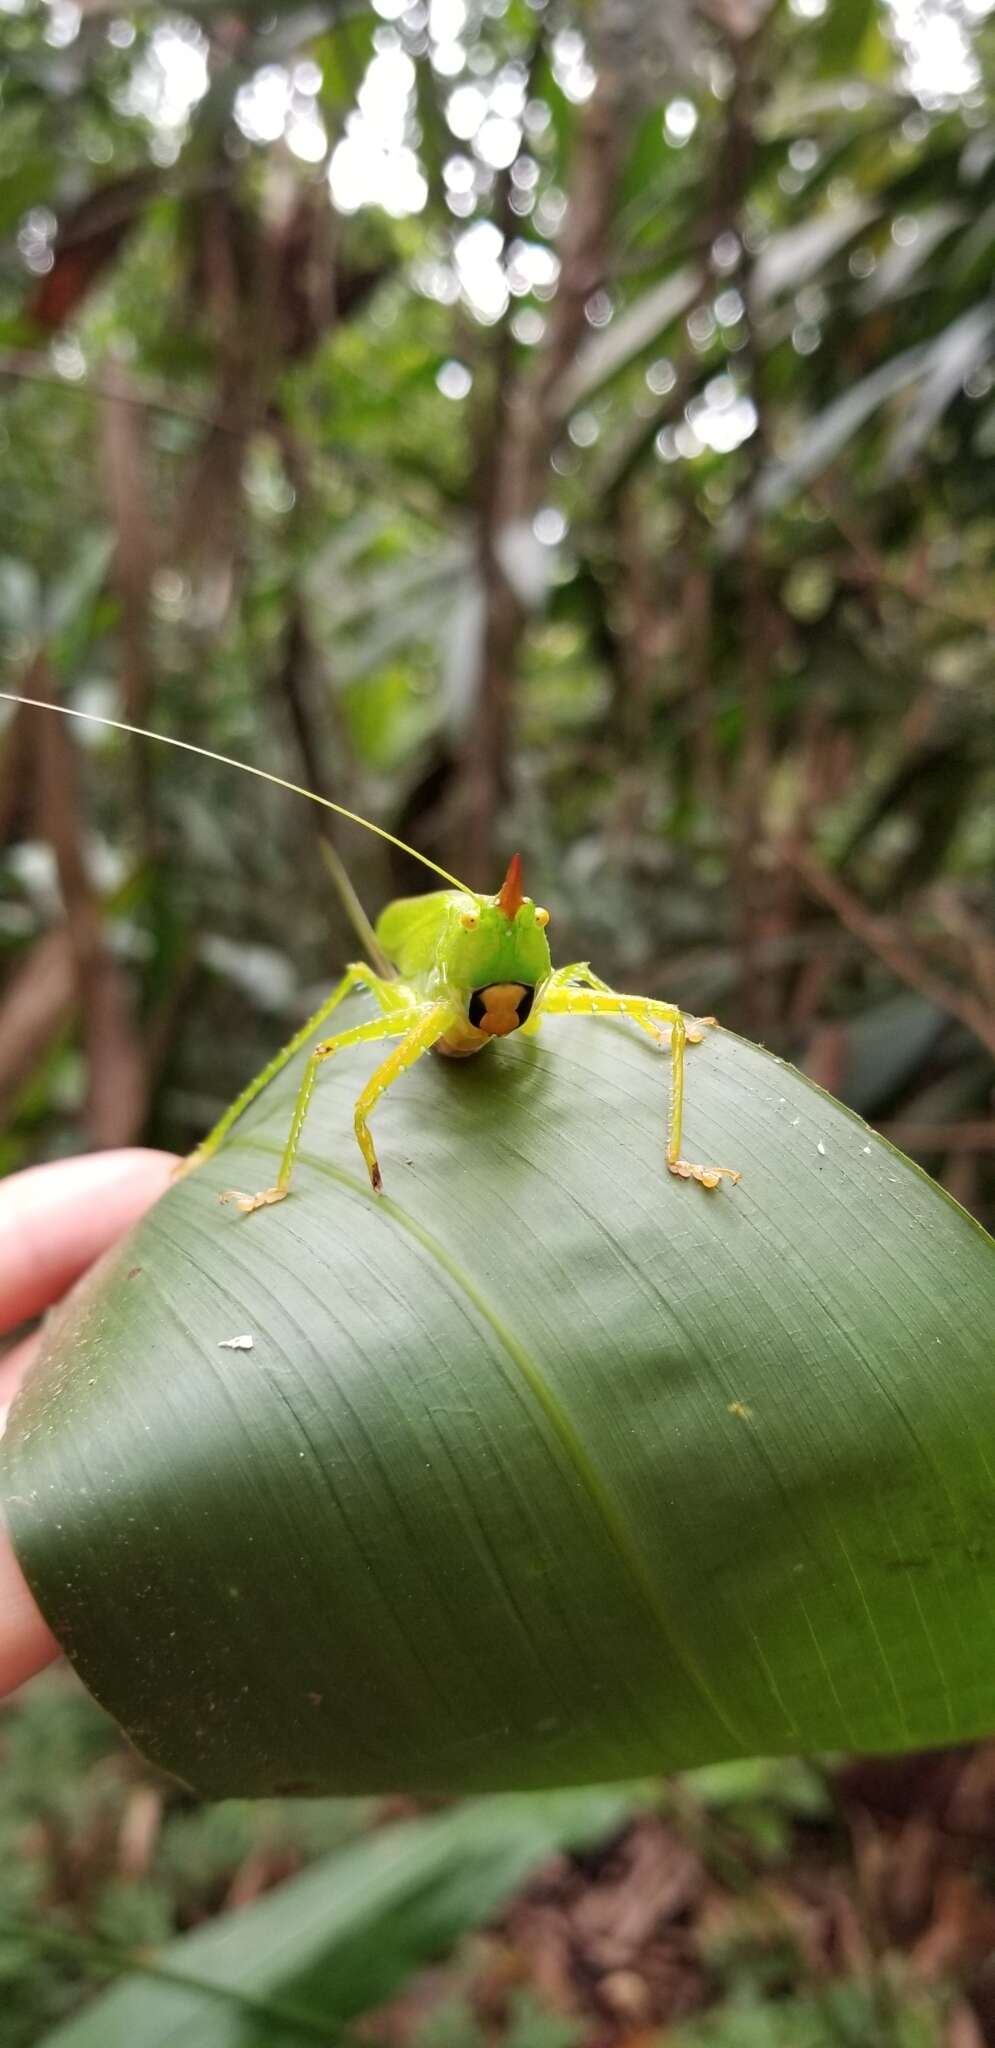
(166, 739)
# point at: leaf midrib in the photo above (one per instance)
(567, 1436)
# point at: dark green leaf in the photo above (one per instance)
(543, 1467)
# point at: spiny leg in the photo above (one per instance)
(431, 1025)
(580, 973)
(358, 975)
(359, 1034)
(648, 1014)
(694, 1027)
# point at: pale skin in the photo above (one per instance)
(54, 1221)
(453, 995)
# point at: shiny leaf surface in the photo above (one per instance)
(546, 1466)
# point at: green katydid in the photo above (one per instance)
(460, 969)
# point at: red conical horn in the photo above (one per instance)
(510, 898)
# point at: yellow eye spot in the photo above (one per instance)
(542, 917)
(468, 921)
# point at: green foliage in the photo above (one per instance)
(745, 738)
(339, 1939)
(529, 2024)
(74, 1863)
(339, 539)
(848, 2016)
(83, 1824)
(437, 1463)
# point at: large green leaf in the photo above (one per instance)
(340, 1939)
(543, 1467)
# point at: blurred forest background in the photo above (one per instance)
(542, 425)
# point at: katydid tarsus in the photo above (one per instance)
(460, 969)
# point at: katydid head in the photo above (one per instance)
(497, 954)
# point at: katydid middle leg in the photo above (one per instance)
(427, 1027)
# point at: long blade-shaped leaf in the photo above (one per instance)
(543, 1467)
(340, 1939)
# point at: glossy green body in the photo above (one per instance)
(450, 943)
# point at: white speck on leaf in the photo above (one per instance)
(236, 1344)
(867, 1148)
(821, 1148)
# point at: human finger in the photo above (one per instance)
(55, 1220)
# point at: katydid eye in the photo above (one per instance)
(468, 921)
(542, 918)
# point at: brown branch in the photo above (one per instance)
(881, 938)
(36, 1004)
(291, 684)
(873, 571)
(696, 603)
(503, 623)
(750, 877)
(976, 940)
(133, 568)
(134, 559)
(584, 253)
(167, 1016)
(642, 638)
(14, 770)
(116, 1081)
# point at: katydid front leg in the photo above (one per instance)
(432, 1024)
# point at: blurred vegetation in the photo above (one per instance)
(751, 1905)
(623, 493)
(565, 427)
